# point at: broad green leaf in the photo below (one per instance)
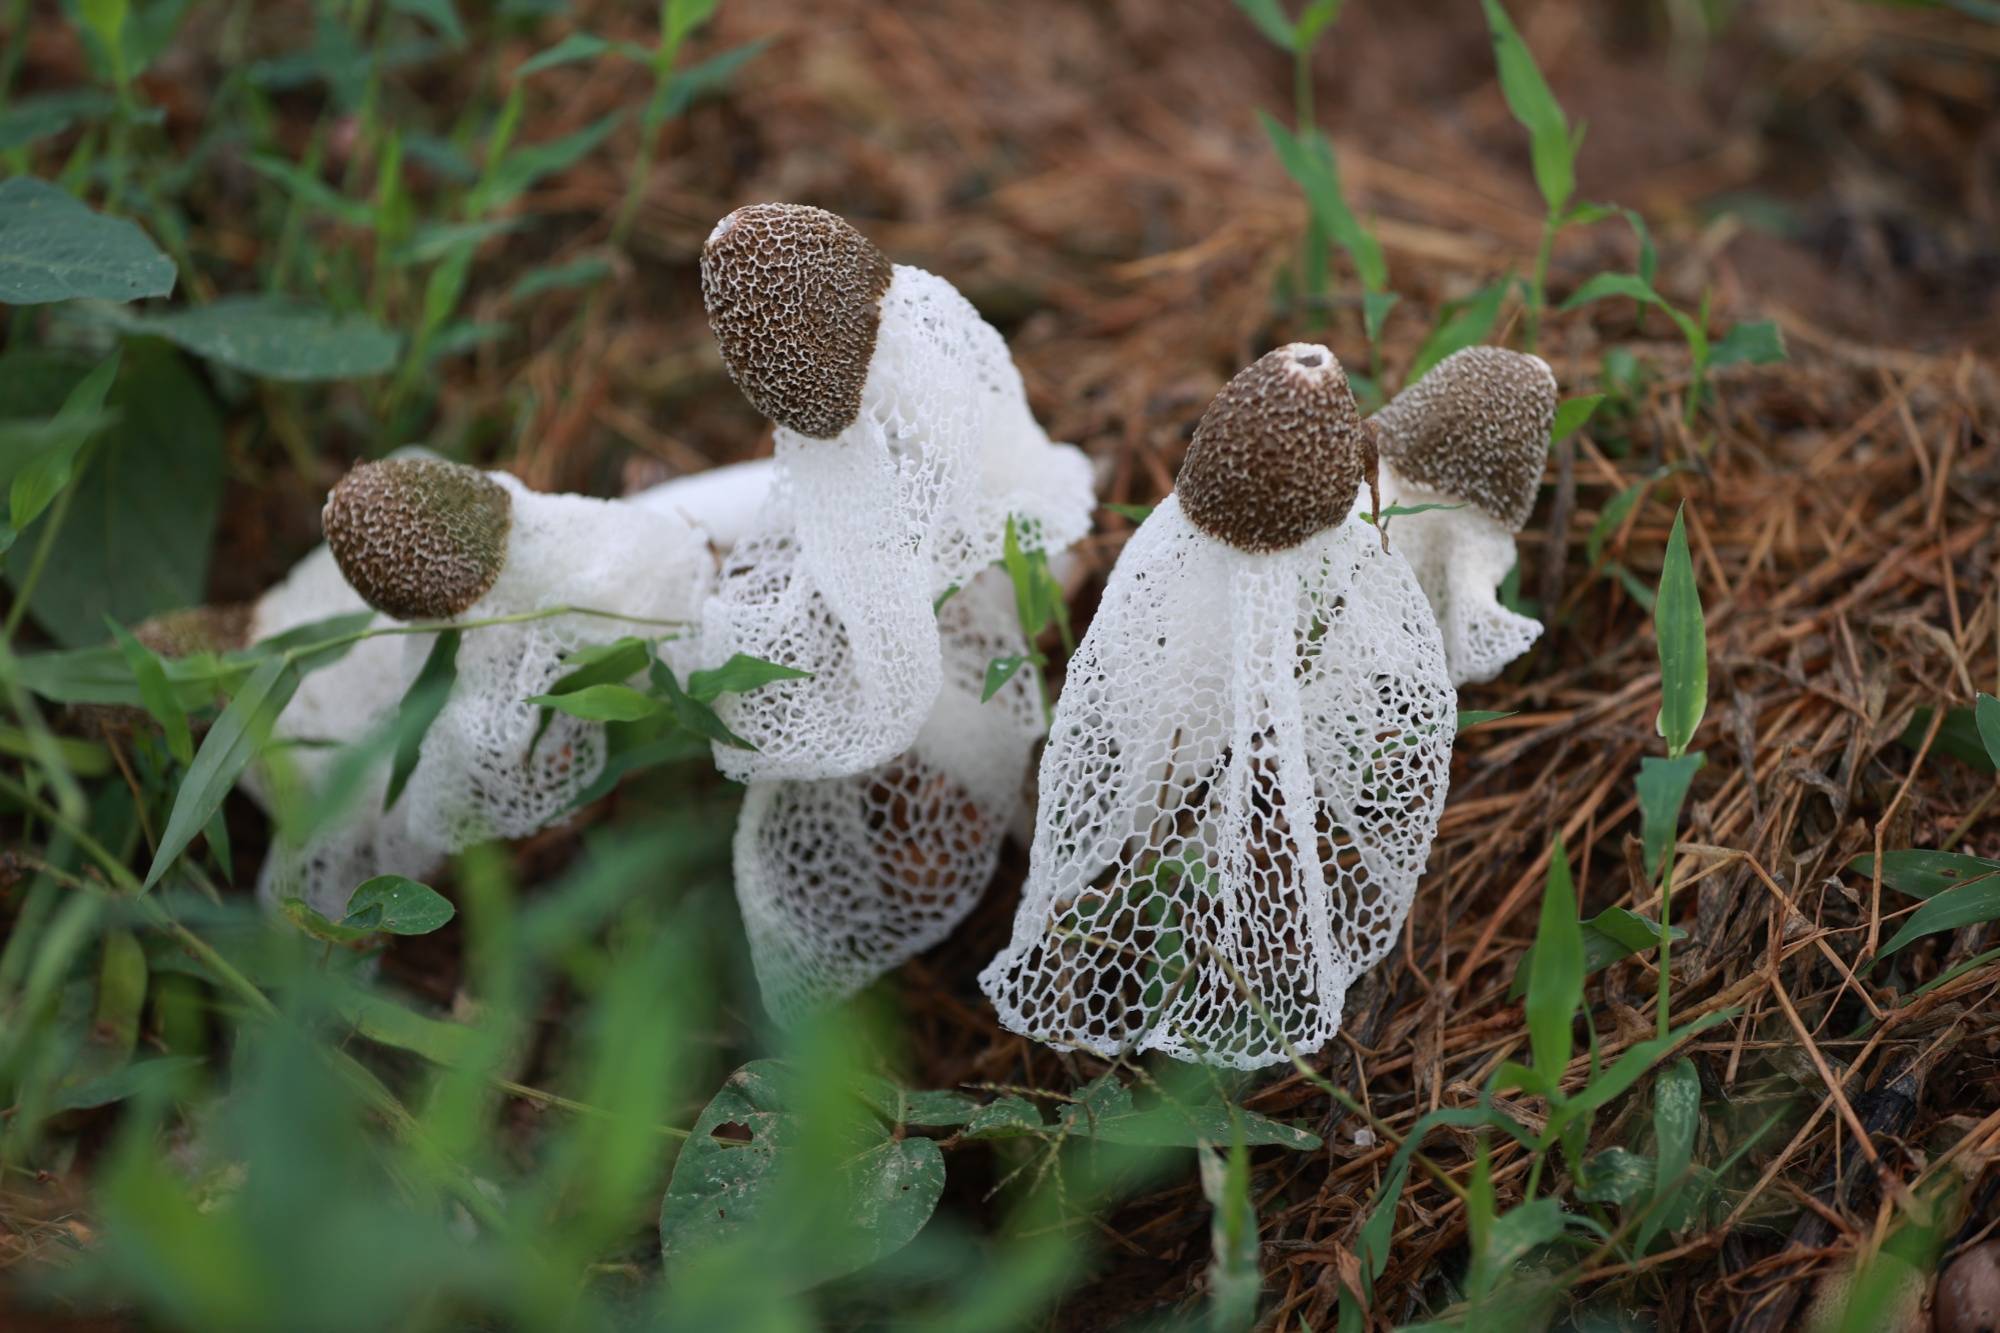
(138, 530)
(1461, 324)
(157, 694)
(1001, 670)
(901, 1106)
(1676, 1117)
(1957, 736)
(727, 1188)
(31, 118)
(1468, 718)
(1923, 874)
(1663, 787)
(1005, 1117)
(1986, 713)
(1555, 980)
(1758, 344)
(274, 337)
(1535, 107)
(1966, 905)
(601, 703)
(1269, 16)
(1233, 1279)
(1573, 415)
(1309, 160)
(1683, 644)
(382, 1020)
(52, 248)
(398, 905)
(1615, 1176)
(307, 919)
(741, 674)
(418, 708)
(225, 752)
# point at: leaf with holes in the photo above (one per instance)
(728, 1183)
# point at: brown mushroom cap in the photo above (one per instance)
(794, 295)
(1968, 1294)
(419, 538)
(1476, 427)
(1279, 455)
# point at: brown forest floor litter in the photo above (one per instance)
(1092, 175)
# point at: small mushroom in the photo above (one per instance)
(1472, 433)
(904, 446)
(1248, 758)
(841, 880)
(431, 540)
(1968, 1293)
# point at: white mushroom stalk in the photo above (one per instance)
(424, 540)
(336, 705)
(904, 447)
(841, 880)
(1249, 756)
(1472, 434)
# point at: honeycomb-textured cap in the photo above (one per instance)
(1477, 427)
(1280, 453)
(418, 538)
(794, 295)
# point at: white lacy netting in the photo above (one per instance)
(842, 879)
(1239, 793)
(1460, 557)
(864, 531)
(478, 777)
(723, 502)
(335, 705)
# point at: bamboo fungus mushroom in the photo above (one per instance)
(1248, 758)
(904, 447)
(424, 539)
(1472, 433)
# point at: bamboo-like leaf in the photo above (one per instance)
(156, 693)
(1683, 644)
(420, 706)
(1555, 981)
(1550, 142)
(1663, 787)
(225, 752)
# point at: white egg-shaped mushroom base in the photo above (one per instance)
(865, 531)
(1461, 554)
(841, 880)
(1241, 785)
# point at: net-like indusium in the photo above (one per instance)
(867, 529)
(1470, 435)
(843, 879)
(1242, 781)
(484, 771)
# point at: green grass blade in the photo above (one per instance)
(1555, 980)
(225, 752)
(1683, 643)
